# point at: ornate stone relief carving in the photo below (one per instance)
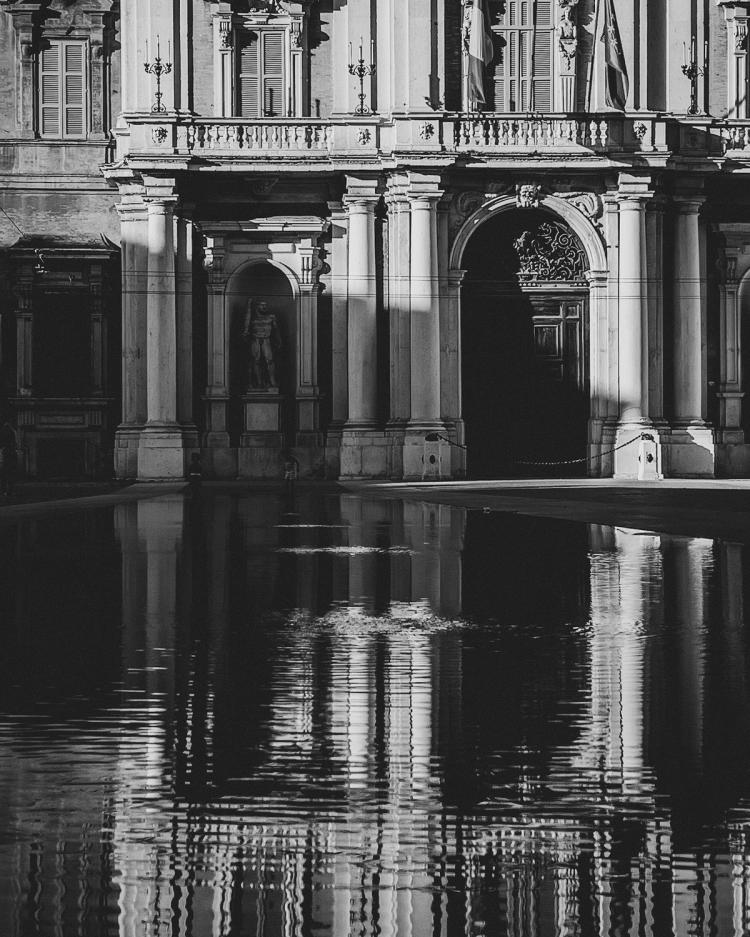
(528, 195)
(551, 252)
(588, 203)
(568, 31)
(740, 36)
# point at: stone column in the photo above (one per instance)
(24, 291)
(160, 454)
(731, 453)
(161, 338)
(363, 449)
(307, 391)
(362, 321)
(692, 444)
(399, 239)
(423, 459)
(337, 282)
(631, 461)
(134, 259)
(216, 395)
(183, 231)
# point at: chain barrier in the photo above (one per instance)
(593, 458)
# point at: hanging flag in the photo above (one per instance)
(616, 78)
(480, 52)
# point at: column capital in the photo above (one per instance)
(688, 203)
(360, 204)
(634, 188)
(362, 187)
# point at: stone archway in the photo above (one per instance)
(525, 337)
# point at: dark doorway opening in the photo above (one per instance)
(524, 331)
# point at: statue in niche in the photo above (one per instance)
(260, 331)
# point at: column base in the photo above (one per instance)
(363, 452)
(423, 459)
(691, 451)
(127, 439)
(642, 453)
(733, 458)
(161, 453)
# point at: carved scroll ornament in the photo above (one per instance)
(551, 252)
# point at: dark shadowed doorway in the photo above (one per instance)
(524, 334)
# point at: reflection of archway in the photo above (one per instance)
(261, 280)
(525, 339)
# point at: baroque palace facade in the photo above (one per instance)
(260, 227)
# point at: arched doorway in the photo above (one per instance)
(524, 334)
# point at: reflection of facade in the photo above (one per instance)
(345, 818)
(142, 209)
(292, 741)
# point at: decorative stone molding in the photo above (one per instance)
(551, 252)
(159, 134)
(364, 136)
(528, 195)
(587, 203)
(568, 32)
(426, 131)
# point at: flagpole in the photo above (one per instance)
(590, 79)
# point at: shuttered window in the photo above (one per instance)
(62, 89)
(261, 82)
(523, 79)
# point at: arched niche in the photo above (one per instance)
(261, 280)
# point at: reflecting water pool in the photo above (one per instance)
(237, 716)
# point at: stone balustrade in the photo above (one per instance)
(236, 136)
(534, 133)
(735, 135)
(493, 136)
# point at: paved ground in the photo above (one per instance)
(712, 508)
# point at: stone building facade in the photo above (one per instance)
(261, 227)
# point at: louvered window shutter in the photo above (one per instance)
(62, 90)
(523, 80)
(273, 74)
(50, 83)
(74, 92)
(248, 93)
(261, 80)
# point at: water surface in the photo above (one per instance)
(239, 716)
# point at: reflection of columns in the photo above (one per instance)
(362, 307)
(693, 561)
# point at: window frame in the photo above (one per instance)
(503, 77)
(287, 96)
(61, 132)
